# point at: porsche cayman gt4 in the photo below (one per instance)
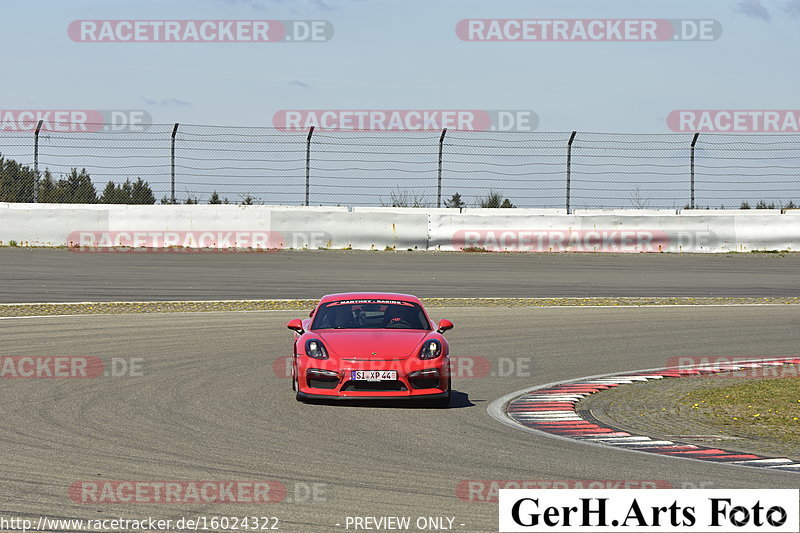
(371, 346)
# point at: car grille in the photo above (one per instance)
(424, 382)
(358, 386)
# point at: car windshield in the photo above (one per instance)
(370, 314)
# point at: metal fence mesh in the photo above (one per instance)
(271, 166)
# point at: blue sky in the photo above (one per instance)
(404, 55)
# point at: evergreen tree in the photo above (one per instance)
(492, 201)
(47, 189)
(495, 200)
(455, 201)
(507, 203)
(112, 195)
(76, 188)
(141, 193)
(16, 181)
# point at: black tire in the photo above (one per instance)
(296, 388)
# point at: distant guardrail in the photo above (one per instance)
(125, 228)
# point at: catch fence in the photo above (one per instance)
(185, 163)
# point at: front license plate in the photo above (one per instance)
(373, 375)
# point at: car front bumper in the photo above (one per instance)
(416, 379)
(343, 397)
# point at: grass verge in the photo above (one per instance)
(762, 407)
(99, 308)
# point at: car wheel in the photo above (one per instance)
(296, 389)
(296, 386)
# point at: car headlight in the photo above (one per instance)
(430, 349)
(315, 349)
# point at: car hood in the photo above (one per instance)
(372, 343)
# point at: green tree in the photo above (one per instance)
(491, 201)
(495, 200)
(455, 201)
(16, 181)
(764, 205)
(141, 193)
(47, 189)
(76, 188)
(109, 194)
(138, 192)
(114, 194)
(216, 200)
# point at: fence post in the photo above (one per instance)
(439, 190)
(569, 165)
(36, 161)
(308, 163)
(694, 142)
(172, 165)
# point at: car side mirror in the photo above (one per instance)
(444, 325)
(296, 325)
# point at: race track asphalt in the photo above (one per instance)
(59, 275)
(210, 406)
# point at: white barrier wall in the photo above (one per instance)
(259, 227)
(617, 233)
(360, 229)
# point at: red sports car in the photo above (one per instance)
(371, 346)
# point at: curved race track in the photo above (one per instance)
(209, 405)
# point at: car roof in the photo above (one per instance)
(369, 296)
